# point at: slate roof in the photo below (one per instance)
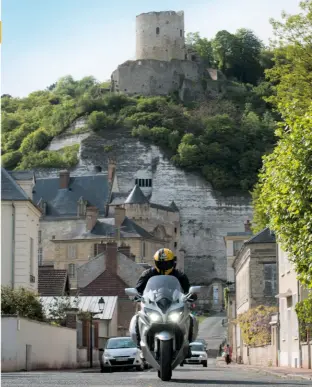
(52, 282)
(63, 202)
(118, 198)
(161, 207)
(22, 175)
(174, 206)
(136, 196)
(239, 233)
(10, 190)
(264, 236)
(106, 228)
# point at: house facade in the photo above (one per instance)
(255, 269)
(292, 352)
(19, 232)
(81, 213)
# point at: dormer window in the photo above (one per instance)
(143, 182)
(157, 30)
(43, 206)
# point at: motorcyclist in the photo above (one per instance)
(165, 264)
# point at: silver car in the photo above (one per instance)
(121, 352)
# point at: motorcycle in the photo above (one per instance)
(162, 327)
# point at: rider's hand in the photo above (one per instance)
(193, 298)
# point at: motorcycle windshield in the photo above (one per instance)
(163, 286)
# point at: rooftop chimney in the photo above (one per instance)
(111, 257)
(120, 214)
(111, 169)
(91, 217)
(247, 225)
(64, 179)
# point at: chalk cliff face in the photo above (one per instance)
(206, 216)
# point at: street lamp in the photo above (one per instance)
(101, 304)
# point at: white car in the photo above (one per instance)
(121, 352)
(199, 354)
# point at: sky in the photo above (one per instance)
(43, 40)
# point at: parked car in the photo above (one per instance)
(199, 354)
(204, 342)
(121, 352)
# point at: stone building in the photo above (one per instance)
(109, 274)
(255, 271)
(80, 213)
(163, 64)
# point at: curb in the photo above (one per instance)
(282, 375)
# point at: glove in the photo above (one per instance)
(193, 298)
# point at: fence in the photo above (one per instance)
(31, 345)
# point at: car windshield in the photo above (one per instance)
(120, 343)
(197, 347)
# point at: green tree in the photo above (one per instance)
(100, 121)
(202, 46)
(35, 141)
(283, 195)
(21, 301)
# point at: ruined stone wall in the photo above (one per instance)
(160, 36)
(154, 77)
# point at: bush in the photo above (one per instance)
(255, 325)
(10, 160)
(100, 121)
(66, 157)
(21, 301)
(35, 141)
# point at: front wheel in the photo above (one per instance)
(205, 363)
(165, 352)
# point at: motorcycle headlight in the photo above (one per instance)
(152, 315)
(175, 316)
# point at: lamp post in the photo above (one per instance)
(101, 304)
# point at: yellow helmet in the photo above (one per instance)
(165, 261)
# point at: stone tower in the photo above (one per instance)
(160, 36)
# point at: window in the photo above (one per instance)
(143, 249)
(270, 279)
(143, 182)
(39, 237)
(71, 252)
(181, 33)
(40, 256)
(157, 30)
(72, 270)
(175, 244)
(237, 246)
(175, 230)
(289, 302)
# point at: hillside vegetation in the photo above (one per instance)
(224, 138)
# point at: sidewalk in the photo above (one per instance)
(282, 372)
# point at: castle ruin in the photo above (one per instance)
(163, 64)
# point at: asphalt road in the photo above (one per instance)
(212, 331)
(188, 376)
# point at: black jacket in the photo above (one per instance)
(147, 274)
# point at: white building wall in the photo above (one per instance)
(50, 346)
(289, 332)
(26, 226)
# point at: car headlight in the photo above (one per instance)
(152, 315)
(175, 316)
(134, 353)
(107, 354)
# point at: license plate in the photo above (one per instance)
(121, 358)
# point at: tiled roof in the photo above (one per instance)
(136, 196)
(107, 283)
(86, 304)
(22, 175)
(52, 282)
(106, 228)
(10, 190)
(63, 202)
(264, 236)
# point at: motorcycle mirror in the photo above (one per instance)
(195, 289)
(131, 292)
